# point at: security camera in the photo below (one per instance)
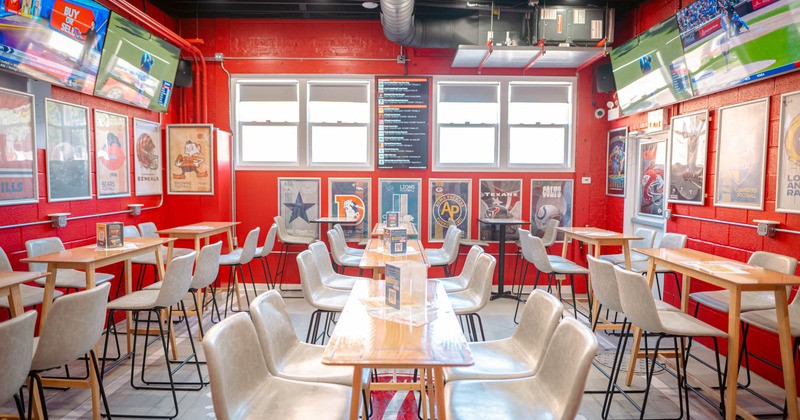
(599, 113)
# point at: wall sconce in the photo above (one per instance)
(58, 220)
(136, 209)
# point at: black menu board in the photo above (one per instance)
(403, 122)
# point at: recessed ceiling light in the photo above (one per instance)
(369, 5)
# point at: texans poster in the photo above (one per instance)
(400, 195)
(350, 198)
(615, 162)
(449, 200)
(652, 158)
(788, 197)
(499, 199)
(551, 199)
(17, 149)
(298, 204)
(687, 160)
(147, 162)
(111, 147)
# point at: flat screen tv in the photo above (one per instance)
(56, 41)
(650, 70)
(728, 43)
(137, 67)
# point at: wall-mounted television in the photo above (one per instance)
(650, 70)
(56, 41)
(137, 67)
(728, 43)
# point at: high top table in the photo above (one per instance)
(376, 256)
(501, 263)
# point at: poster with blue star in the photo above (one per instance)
(400, 195)
(298, 204)
(499, 199)
(449, 200)
(350, 198)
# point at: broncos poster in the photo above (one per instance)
(147, 152)
(350, 198)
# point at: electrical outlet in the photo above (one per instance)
(586, 180)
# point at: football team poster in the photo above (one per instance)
(68, 167)
(298, 204)
(687, 161)
(499, 199)
(17, 149)
(741, 155)
(111, 147)
(652, 158)
(449, 200)
(788, 197)
(615, 161)
(190, 159)
(147, 152)
(400, 195)
(350, 198)
(551, 199)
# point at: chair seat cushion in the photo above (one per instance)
(679, 323)
(328, 299)
(304, 363)
(358, 252)
(500, 359)
(452, 284)
(568, 267)
(140, 300)
(231, 258)
(720, 300)
(31, 296)
(620, 258)
(465, 302)
(522, 398)
(471, 242)
(348, 260)
(279, 398)
(557, 259)
(439, 258)
(768, 320)
(664, 306)
(340, 281)
(74, 279)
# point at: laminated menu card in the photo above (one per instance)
(110, 235)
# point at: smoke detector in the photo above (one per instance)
(369, 5)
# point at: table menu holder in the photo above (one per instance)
(392, 219)
(110, 235)
(397, 240)
(406, 284)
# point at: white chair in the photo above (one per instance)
(461, 281)
(526, 251)
(668, 241)
(647, 235)
(65, 278)
(554, 392)
(149, 229)
(262, 254)
(16, 352)
(554, 269)
(358, 252)
(517, 356)
(339, 252)
(548, 238)
(235, 261)
(327, 274)
(325, 300)
(144, 261)
(242, 386)
(287, 241)
(550, 233)
(468, 302)
(447, 254)
(465, 242)
(31, 295)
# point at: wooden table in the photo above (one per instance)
(501, 264)
(411, 228)
(362, 341)
(199, 231)
(9, 287)
(681, 260)
(376, 257)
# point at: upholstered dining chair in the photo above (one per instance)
(327, 274)
(325, 300)
(358, 252)
(263, 252)
(31, 295)
(287, 241)
(668, 241)
(339, 253)
(526, 252)
(468, 302)
(65, 278)
(16, 352)
(461, 281)
(236, 260)
(648, 237)
(447, 254)
(465, 242)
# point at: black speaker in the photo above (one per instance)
(605, 79)
(184, 76)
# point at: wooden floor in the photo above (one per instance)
(497, 317)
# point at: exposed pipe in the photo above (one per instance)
(88, 216)
(725, 222)
(266, 58)
(400, 26)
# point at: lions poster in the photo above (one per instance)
(500, 199)
(190, 159)
(147, 152)
(449, 201)
(350, 198)
(551, 199)
(788, 197)
(298, 204)
(111, 149)
(400, 195)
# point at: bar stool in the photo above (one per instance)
(325, 300)
(327, 274)
(16, 352)
(668, 241)
(447, 254)
(143, 261)
(526, 251)
(548, 238)
(31, 295)
(235, 260)
(465, 242)
(358, 252)
(461, 281)
(647, 235)
(467, 303)
(148, 230)
(339, 253)
(262, 254)
(65, 278)
(566, 268)
(287, 241)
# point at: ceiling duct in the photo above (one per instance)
(400, 26)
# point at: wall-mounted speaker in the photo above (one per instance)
(184, 76)
(605, 78)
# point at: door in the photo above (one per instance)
(645, 203)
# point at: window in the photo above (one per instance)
(303, 124)
(468, 116)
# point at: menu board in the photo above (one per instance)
(403, 122)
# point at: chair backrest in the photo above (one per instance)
(148, 230)
(604, 283)
(269, 242)
(524, 243)
(16, 352)
(451, 242)
(5, 264)
(72, 327)
(322, 260)
(550, 233)
(774, 262)
(540, 316)
(42, 246)
(310, 280)
(130, 231)
(637, 300)
(469, 263)
(236, 367)
(338, 245)
(647, 235)
(207, 267)
(339, 229)
(539, 254)
(480, 283)
(565, 367)
(282, 232)
(249, 247)
(176, 281)
(274, 328)
(673, 240)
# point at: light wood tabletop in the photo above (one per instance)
(376, 256)
(198, 231)
(9, 287)
(361, 340)
(411, 228)
(735, 277)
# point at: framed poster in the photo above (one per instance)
(551, 199)
(686, 172)
(741, 155)
(787, 199)
(350, 197)
(190, 159)
(111, 148)
(18, 176)
(500, 199)
(615, 162)
(298, 204)
(449, 200)
(650, 197)
(147, 152)
(69, 169)
(401, 195)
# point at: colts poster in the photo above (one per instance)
(500, 199)
(350, 198)
(551, 199)
(788, 196)
(449, 200)
(298, 204)
(111, 146)
(400, 195)
(190, 159)
(17, 149)
(147, 150)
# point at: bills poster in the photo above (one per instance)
(551, 199)
(787, 200)
(190, 159)
(147, 152)
(652, 158)
(449, 200)
(298, 204)
(500, 199)
(111, 147)
(400, 195)
(350, 198)
(687, 160)
(615, 162)
(18, 182)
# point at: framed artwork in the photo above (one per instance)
(18, 176)
(350, 197)
(190, 159)
(147, 153)
(401, 195)
(741, 155)
(449, 200)
(69, 169)
(298, 204)
(787, 199)
(111, 147)
(551, 199)
(686, 172)
(650, 197)
(615, 162)
(499, 199)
